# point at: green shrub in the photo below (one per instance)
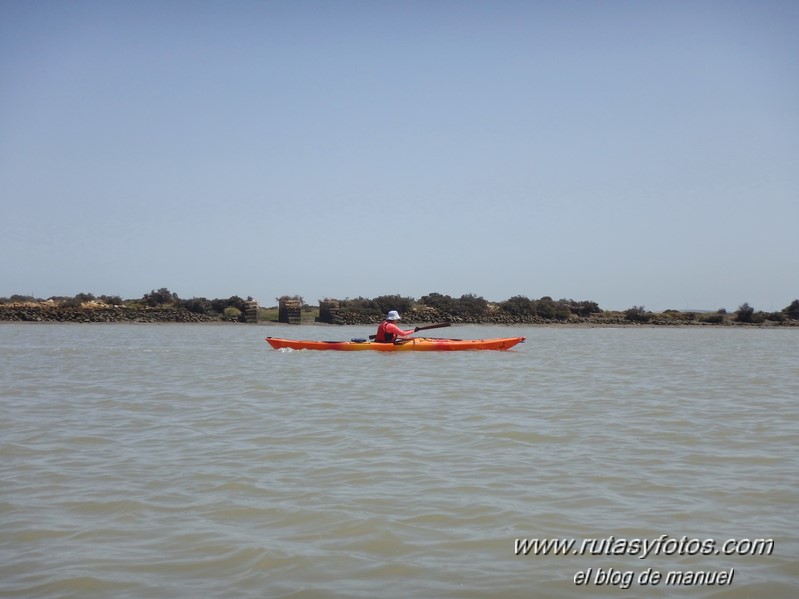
(360, 305)
(219, 305)
(714, 318)
(518, 305)
(77, 300)
(549, 309)
(637, 314)
(792, 310)
(744, 313)
(232, 314)
(198, 305)
(384, 303)
(584, 308)
(162, 297)
(72, 302)
(437, 301)
(470, 304)
(467, 305)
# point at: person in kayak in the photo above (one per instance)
(388, 331)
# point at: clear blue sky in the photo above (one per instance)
(626, 152)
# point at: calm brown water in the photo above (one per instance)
(141, 461)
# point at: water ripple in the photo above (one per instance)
(175, 461)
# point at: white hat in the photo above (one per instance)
(393, 315)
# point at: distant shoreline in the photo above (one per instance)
(110, 314)
(54, 313)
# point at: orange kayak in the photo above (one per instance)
(411, 344)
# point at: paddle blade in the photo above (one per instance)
(434, 326)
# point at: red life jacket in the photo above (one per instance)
(384, 336)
